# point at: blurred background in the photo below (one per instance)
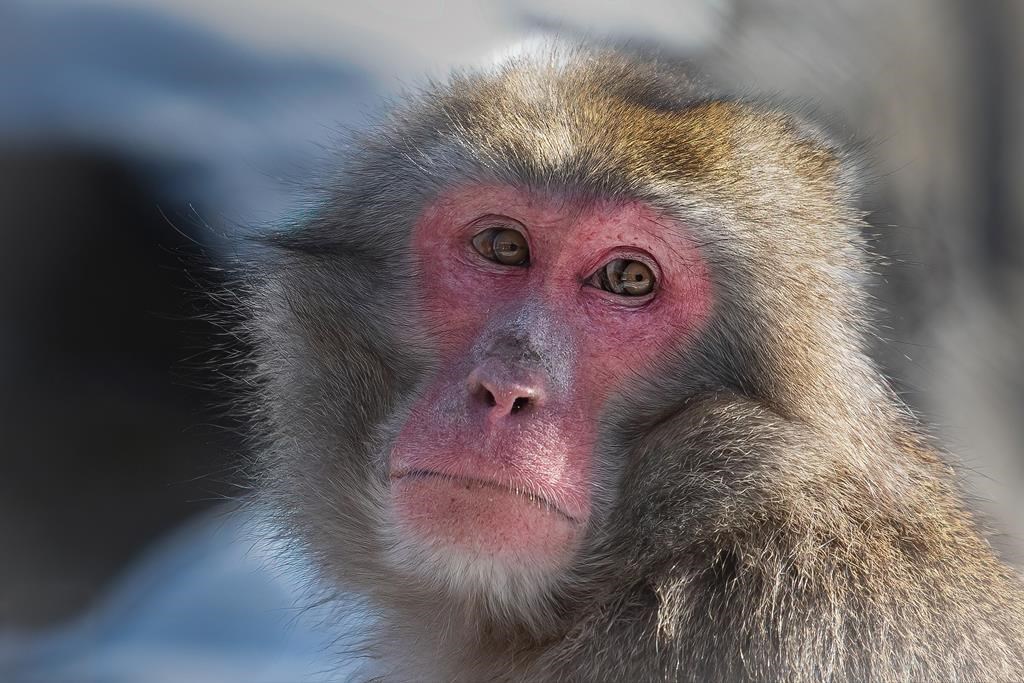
(135, 134)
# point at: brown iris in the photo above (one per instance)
(503, 245)
(625, 277)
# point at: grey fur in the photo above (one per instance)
(768, 511)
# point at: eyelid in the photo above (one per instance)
(489, 221)
(627, 254)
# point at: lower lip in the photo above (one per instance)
(481, 518)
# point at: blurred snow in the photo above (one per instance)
(217, 602)
(227, 120)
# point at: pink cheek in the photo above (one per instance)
(458, 307)
(453, 309)
(618, 345)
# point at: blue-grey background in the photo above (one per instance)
(134, 133)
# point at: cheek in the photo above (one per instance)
(457, 302)
(618, 347)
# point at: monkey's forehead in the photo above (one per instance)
(614, 124)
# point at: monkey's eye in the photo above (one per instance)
(624, 277)
(503, 245)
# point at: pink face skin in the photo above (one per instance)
(477, 471)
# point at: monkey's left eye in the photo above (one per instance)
(503, 245)
(624, 277)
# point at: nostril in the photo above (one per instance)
(488, 397)
(519, 404)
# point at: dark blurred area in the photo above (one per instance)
(138, 138)
(106, 429)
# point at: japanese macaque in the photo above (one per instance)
(568, 377)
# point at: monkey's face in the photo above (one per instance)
(541, 308)
(470, 387)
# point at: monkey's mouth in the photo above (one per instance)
(468, 483)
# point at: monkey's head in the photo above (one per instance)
(517, 277)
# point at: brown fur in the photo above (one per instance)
(774, 513)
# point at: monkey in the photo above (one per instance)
(568, 376)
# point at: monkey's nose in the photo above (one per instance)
(505, 390)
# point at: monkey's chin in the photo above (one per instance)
(482, 522)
